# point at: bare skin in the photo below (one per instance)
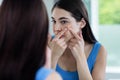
(70, 51)
(54, 75)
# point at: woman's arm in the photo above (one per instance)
(98, 72)
(76, 46)
(57, 46)
(82, 68)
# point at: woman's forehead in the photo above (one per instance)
(57, 13)
(61, 13)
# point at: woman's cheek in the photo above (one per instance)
(68, 36)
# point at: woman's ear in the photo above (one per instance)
(82, 23)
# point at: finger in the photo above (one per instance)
(73, 41)
(49, 38)
(63, 44)
(74, 34)
(58, 40)
(71, 47)
(61, 33)
(61, 40)
(72, 44)
(80, 34)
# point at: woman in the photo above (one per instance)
(23, 38)
(76, 54)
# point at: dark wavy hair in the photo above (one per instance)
(23, 38)
(78, 11)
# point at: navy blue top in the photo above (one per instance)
(43, 73)
(66, 75)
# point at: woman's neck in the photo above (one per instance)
(67, 61)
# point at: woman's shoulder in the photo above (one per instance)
(54, 76)
(102, 56)
(47, 74)
(100, 65)
(102, 52)
(98, 50)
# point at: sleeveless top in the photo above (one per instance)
(43, 73)
(66, 75)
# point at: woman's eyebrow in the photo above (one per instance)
(62, 18)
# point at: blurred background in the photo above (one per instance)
(104, 16)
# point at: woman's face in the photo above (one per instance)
(62, 19)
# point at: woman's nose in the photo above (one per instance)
(58, 27)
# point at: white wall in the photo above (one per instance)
(49, 4)
(1, 1)
(94, 18)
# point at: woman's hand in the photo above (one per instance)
(76, 45)
(57, 46)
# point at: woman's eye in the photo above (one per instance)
(53, 21)
(63, 22)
